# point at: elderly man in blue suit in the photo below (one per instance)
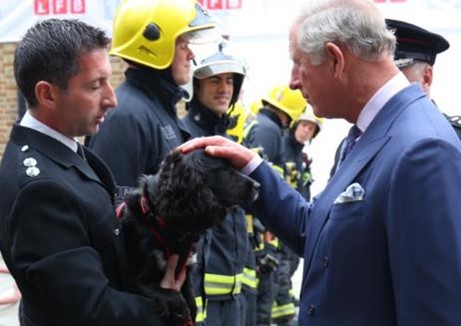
(382, 242)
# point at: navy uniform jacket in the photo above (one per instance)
(60, 238)
(392, 257)
(142, 129)
(293, 153)
(267, 133)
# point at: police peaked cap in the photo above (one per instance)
(415, 43)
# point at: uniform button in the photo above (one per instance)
(326, 262)
(311, 310)
(117, 231)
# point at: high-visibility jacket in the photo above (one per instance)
(225, 248)
(266, 133)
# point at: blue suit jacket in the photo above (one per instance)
(393, 258)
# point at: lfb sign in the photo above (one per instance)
(59, 7)
(221, 4)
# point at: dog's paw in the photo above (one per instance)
(171, 304)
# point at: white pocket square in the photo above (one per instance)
(353, 192)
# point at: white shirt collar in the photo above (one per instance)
(379, 99)
(30, 122)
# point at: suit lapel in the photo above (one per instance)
(102, 171)
(366, 148)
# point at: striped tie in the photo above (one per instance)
(348, 143)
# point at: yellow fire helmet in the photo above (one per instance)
(287, 100)
(145, 31)
(237, 117)
(255, 106)
(308, 115)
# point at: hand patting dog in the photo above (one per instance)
(190, 193)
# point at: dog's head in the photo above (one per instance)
(193, 191)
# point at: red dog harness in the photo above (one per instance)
(157, 228)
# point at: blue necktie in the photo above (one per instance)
(348, 143)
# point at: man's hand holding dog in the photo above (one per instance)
(218, 146)
(170, 281)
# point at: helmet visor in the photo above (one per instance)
(202, 36)
(201, 28)
(219, 67)
(202, 18)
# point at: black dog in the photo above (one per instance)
(188, 195)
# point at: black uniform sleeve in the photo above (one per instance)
(270, 141)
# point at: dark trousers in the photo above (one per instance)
(224, 312)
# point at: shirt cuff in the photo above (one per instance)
(252, 165)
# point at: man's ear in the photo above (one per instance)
(46, 93)
(427, 78)
(336, 57)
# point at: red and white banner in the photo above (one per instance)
(17, 16)
(237, 17)
(59, 7)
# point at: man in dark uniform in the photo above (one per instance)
(59, 235)
(145, 127)
(415, 56)
(216, 86)
(282, 105)
(297, 164)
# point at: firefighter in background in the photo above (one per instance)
(217, 82)
(239, 116)
(298, 175)
(297, 162)
(281, 106)
(144, 126)
(255, 106)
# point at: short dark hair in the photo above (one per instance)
(50, 50)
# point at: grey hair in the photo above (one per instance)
(418, 67)
(356, 24)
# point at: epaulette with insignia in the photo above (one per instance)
(30, 163)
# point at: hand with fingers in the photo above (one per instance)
(218, 146)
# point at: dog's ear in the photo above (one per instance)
(147, 185)
(184, 192)
(168, 166)
(202, 163)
